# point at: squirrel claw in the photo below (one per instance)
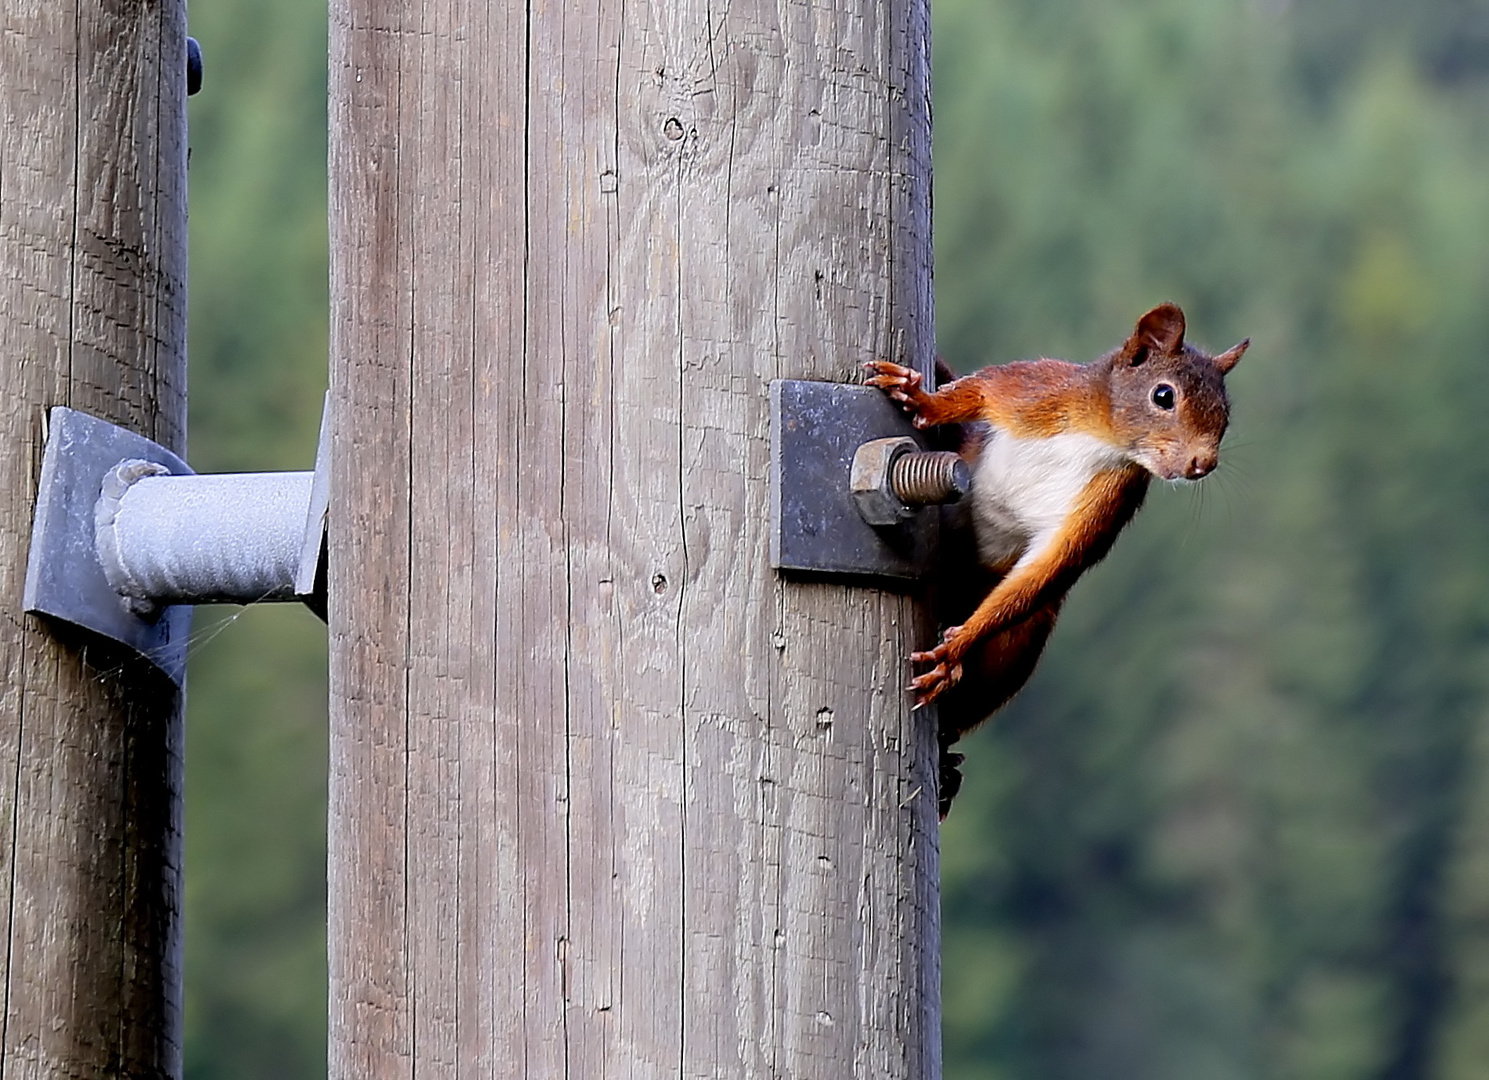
(887, 375)
(941, 652)
(946, 673)
(928, 687)
(921, 683)
(900, 384)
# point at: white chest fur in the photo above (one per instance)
(1024, 489)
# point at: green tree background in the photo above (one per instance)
(256, 735)
(1237, 825)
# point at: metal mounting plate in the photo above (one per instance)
(310, 579)
(64, 579)
(815, 427)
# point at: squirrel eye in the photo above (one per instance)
(1163, 396)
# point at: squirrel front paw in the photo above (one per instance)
(947, 672)
(902, 384)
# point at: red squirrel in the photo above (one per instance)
(1061, 456)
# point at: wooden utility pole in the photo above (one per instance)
(609, 797)
(92, 315)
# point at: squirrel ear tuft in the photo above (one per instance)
(1228, 359)
(1160, 330)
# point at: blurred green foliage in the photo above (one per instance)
(256, 744)
(1233, 828)
(1237, 825)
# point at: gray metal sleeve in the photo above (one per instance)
(232, 537)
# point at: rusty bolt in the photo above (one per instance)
(924, 478)
(892, 478)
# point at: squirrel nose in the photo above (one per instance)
(1201, 465)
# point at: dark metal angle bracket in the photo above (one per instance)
(818, 523)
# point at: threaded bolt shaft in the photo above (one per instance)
(929, 477)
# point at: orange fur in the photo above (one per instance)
(1035, 399)
(1103, 510)
(1159, 404)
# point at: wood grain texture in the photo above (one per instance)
(609, 798)
(92, 315)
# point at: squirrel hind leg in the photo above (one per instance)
(995, 671)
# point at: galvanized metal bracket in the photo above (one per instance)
(816, 525)
(310, 580)
(64, 578)
(87, 468)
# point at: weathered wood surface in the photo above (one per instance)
(92, 315)
(608, 798)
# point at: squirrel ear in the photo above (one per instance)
(1228, 359)
(1160, 330)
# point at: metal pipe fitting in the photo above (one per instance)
(126, 537)
(233, 537)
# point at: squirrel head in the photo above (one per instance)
(1168, 398)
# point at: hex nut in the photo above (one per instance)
(870, 480)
